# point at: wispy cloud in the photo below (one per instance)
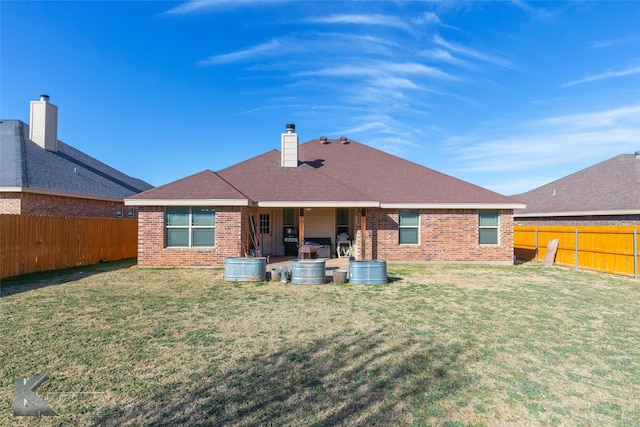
(538, 13)
(361, 19)
(615, 42)
(431, 19)
(564, 143)
(470, 53)
(442, 55)
(543, 150)
(312, 49)
(241, 55)
(195, 6)
(614, 117)
(377, 68)
(610, 74)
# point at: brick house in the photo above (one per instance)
(607, 193)
(389, 208)
(40, 175)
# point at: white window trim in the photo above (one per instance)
(191, 227)
(417, 226)
(496, 227)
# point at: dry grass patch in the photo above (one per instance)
(451, 345)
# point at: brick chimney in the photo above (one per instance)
(289, 151)
(43, 126)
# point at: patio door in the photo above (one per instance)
(265, 228)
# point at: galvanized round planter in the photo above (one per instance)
(245, 269)
(372, 272)
(308, 271)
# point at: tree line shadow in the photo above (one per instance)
(30, 281)
(365, 379)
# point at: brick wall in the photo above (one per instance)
(230, 240)
(10, 203)
(589, 220)
(43, 204)
(446, 235)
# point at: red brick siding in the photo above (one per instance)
(446, 235)
(230, 239)
(43, 204)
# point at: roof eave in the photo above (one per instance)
(453, 205)
(578, 213)
(188, 202)
(318, 204)
(57, 193)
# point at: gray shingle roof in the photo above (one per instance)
(612, 185)
(24, 164)
(335, 172)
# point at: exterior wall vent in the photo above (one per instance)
(289, 147)
(43, 126)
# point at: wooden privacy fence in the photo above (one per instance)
(612, 249)
(30, 243)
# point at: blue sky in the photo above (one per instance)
(506, 95)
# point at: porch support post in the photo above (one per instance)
(363, 231)
(301, 228)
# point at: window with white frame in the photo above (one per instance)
(488, 227)
(189, 227)
(408, 227)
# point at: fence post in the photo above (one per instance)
(576, 248)
(635, 253)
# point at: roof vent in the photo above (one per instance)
(290, 128)
(344, 140)
(44, 98)
(637, 154)
(324, 140)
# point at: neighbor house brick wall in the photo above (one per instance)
(446, 235)
(589, 220)
(230, 240)
(44, 204)
(10, 203)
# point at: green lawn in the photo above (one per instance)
(446, 345)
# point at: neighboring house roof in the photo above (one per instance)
(331, 173)
(611, 187)
(27, 167)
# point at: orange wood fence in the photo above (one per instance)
(612, 249)
(30, 243)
